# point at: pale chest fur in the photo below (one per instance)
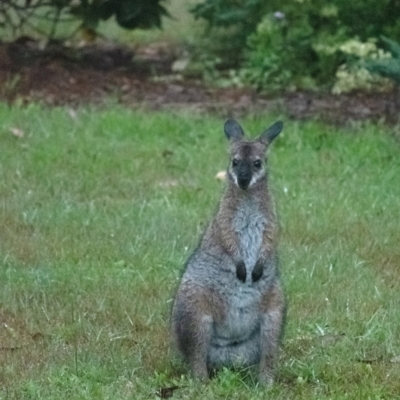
(242, 314)
(249, 224)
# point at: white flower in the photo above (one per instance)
(279, 15)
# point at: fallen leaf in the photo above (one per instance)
(167, 153)
(180, 65)
(370, 360)
(166, 393)
(221, 175)
(89, 35)
(37, 336)
(330, 340)
(168, 183)
(395, 359)
(17, 132)
(14, 334)
(72, 113)
(11, 348)
(302, 338)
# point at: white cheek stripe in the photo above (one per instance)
(234, 177)
(256, 177)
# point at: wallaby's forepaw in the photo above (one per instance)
(241, 271)
(257, 271)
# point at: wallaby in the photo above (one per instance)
(229, 308)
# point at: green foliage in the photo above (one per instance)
(241, 17)
(16, 15)
(279, 57)
(295, 43)
(387, 67)
(227, 12)
(129, 14)
(354, 74)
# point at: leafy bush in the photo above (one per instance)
(296, 43)
(355, 73)
(280, 57)
(289, 50)
(129, 14)
(239, 18)
(387, 67)
(17, 15)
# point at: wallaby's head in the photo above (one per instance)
(248, 157)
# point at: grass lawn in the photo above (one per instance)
(99, 210)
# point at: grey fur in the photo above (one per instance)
(229, 308)
(233, 130)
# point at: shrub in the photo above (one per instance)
(296, 43)
(17, 16)
(237, 18)
(387, 67)
(288, 51)
(355, 73)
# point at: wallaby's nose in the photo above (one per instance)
(244, 177)
(244, 181)
(243, 174)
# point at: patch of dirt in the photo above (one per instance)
(14, 334)
(59, 75)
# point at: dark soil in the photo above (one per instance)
(60, 75)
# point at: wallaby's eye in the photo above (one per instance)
(235, 162)
(257, 163)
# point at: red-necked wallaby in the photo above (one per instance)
(229, 308)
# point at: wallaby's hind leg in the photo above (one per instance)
(192, 317)
(273, 312)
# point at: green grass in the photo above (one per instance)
(100, 209)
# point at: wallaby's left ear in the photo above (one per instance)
(272, 132)
(233, 130)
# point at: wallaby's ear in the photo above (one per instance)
(272, 132)
(233, 130)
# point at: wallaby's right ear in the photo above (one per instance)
(233, 130)
(272, 132)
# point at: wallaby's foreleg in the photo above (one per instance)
(258, 270)
(273, 312)
(265, 266)
(241, 272)
(267, 255)
(193, 315)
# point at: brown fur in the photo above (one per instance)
(222, 316)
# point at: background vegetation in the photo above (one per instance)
(45, 16)
(100, 209)
(271, 45)
(298, 43)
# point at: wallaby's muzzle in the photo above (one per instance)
(244, 176)
(244, 183)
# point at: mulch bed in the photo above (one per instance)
(59, 75)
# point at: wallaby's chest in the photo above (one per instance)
(249, 224)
